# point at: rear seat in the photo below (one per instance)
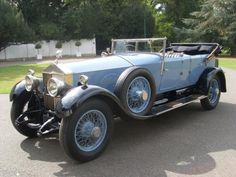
(192, 49)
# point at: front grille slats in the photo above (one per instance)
(48, 100)
(46, 77)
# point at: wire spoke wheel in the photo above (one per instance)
(138, 94)
(214, 91)
(85, 134)
(213, 97)
(90, 130)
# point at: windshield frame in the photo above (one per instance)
(140, 40)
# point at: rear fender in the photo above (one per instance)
(207, 75)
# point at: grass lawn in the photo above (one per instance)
(228, 63)
(10, 75)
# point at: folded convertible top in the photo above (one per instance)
(195, 48)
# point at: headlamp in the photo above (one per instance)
(31, 82)
(55, 86)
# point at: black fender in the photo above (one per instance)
(75, 97)
(78, 95)
(19, 89)
(207, 75)
(124, 75)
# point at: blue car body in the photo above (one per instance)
(182, 71)
(185, 66)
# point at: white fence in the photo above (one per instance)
(26, 51)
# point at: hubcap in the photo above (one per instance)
(138, 94)
(96, 132)
(142, 95)
(90, 130)
(214, 91)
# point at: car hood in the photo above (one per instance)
(139, 59)
(102, 72)
(90, 65)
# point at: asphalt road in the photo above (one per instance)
(184, 142)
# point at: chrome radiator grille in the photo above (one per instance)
(46, 77)
(49, 102)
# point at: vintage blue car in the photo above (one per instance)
(136, 80)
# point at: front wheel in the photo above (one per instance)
(85, 134)
(20, 105)
(214, 92)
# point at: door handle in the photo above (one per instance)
(166, 69)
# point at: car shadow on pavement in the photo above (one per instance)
(179, 141)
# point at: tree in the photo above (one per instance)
(38, 46)
(13, 28)
(169, 15)
(136, 21)
(43, 16)
(108, 19)
(215, 22)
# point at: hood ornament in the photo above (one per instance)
(58, 55)
(31, 72)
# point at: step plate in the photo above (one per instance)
(158, 110)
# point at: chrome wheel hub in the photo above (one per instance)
(142, 95)
(96, 132)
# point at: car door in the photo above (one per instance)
(184, 79)
(197, 67)
(171, 74)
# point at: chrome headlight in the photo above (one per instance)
(55, 86)
(31, 82)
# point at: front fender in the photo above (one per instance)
(17, 90)
(76, 96)
(207, 75)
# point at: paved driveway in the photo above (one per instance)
(184, 142)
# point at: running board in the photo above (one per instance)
(158, 110)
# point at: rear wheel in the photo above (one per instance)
(214, 92)
(85, 134)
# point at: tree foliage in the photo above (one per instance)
(12, 25)
(108, 19)
(215, 22)
(170, 15)
(43, 16)
(73, 19)
(185, 20)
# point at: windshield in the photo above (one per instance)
(137, 45)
